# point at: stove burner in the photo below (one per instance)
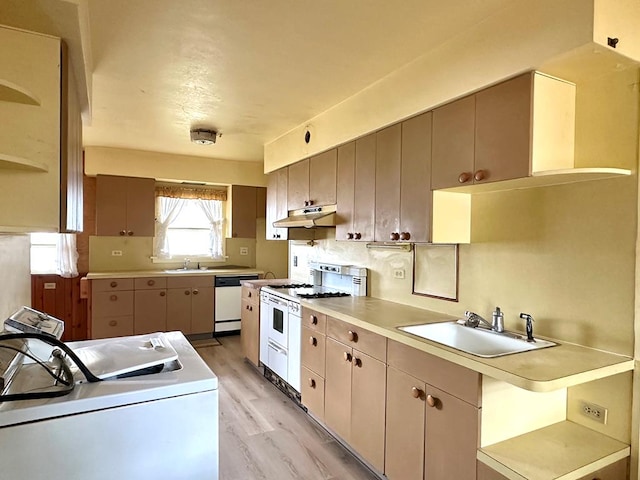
(323, 295)
(292, 285)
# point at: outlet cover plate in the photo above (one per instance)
(594, 412)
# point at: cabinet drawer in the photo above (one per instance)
(251, 294)
(312, 387)
(454, 379)
(108, 285)
(614, 471)
(314, 320)
(112, 327)
(146, 283)
(112, 304)
(359, 338)
(313, 350)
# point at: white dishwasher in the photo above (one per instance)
(228, 303)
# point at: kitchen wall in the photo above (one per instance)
(15, 277)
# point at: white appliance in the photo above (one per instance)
(162, 425)
(280, 323)
(228, 302)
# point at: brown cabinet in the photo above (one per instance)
(298, 185)
(432, 432)
(250, 320)
(190, 304)
(111, 308)
(276, 203)
(125, 206)
(243, 211)
(355, 386)
(387, 186)
(312, 182)
(149, 305)
(345, 191)
(313, 357)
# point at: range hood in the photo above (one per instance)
(309, 217)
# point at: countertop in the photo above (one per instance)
(264, 282)
(541, 370)
(174, 272)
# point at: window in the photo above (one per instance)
(189, 223)
(54, 253)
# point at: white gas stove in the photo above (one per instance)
(280, 323)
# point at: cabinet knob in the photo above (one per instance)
(130, 233)
(416, 392)
(122, 233)
(250, 308)
(113, 298)
(480, 175)
(464, 177)
(313, 319)
(349, 236)
(249, 294)
(247, 307)
(113, 323)
(195, 291)
(187, 292)
(312, 383)
(394, 236)
(357, 362)
(313, 341)
(358, 236)
(113, 284)
(163, 293)
(352, 336)
(151, 283)
(347, 357)
(432, 401)
(405, 236)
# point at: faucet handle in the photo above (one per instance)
(529, 327)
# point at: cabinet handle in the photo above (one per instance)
(113, 284)
(349, 236)
(122, 233)
(113, 298)
(312, 341)
(394, 236)
(312, 383)
(187, 292)
(113, 323)
(480, 175)
(151, 283)
(431, 400)
(358, 236)
(416, 392)
(195, 291)
(347, 357)
(130, 233)
(405, 236)
(249, 294)
(314, 319)
(250, 308)
(163, 293)
(352, 336)
(357, 362)
(464, 177)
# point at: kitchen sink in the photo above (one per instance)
(476, 341)
(187, 270)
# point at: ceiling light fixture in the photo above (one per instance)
(204, 136)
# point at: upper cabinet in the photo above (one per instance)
(125, 206)
(40, 139)
(312, 182)
(244, 210)
(276, 203)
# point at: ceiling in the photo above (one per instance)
(250, 69)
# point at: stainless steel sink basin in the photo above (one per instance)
(476, 341)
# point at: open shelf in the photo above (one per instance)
(10, 92)
(9, 162)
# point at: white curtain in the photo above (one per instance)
(67, 253)
(213, 210)
(168, 210)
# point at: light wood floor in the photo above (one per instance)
(263, 434)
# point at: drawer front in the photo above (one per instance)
(458, 381)
(312, 391)
(615, 471)
(109, 285)
(112, 304)
(147, 283)
(314, 320)
(251, 294)
(313, 350)
(108, 327)
(358, 338)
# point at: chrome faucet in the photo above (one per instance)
(185, 264)
(474, 320)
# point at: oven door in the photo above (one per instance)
(278, 321)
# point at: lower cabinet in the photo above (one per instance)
(149, 305)
(250, 320)
(111, 308)
(313, 356)
(615, 471)
(190, 302)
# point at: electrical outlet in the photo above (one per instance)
(116, 253)
(398, 273)
(244, 250)
(594, 412)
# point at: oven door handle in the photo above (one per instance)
(276, 347)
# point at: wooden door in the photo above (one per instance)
(453, 143)
(364, 188)
(312, 392)
(387, 183)
(250, 331)
(179, 309)
(404, 459)
(503, 130)
(345, 191)
(368, 391)
(150, 311)
(140, 207)
(415, 179)
(282, 208)
(322, 178)
(313, 350)
(243, 211)
(271, 205)
(451, 437)
(337, 388)
(202, 311)
(111, 205)
(298, 185)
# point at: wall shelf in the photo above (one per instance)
(10, 92)
(9, 162)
